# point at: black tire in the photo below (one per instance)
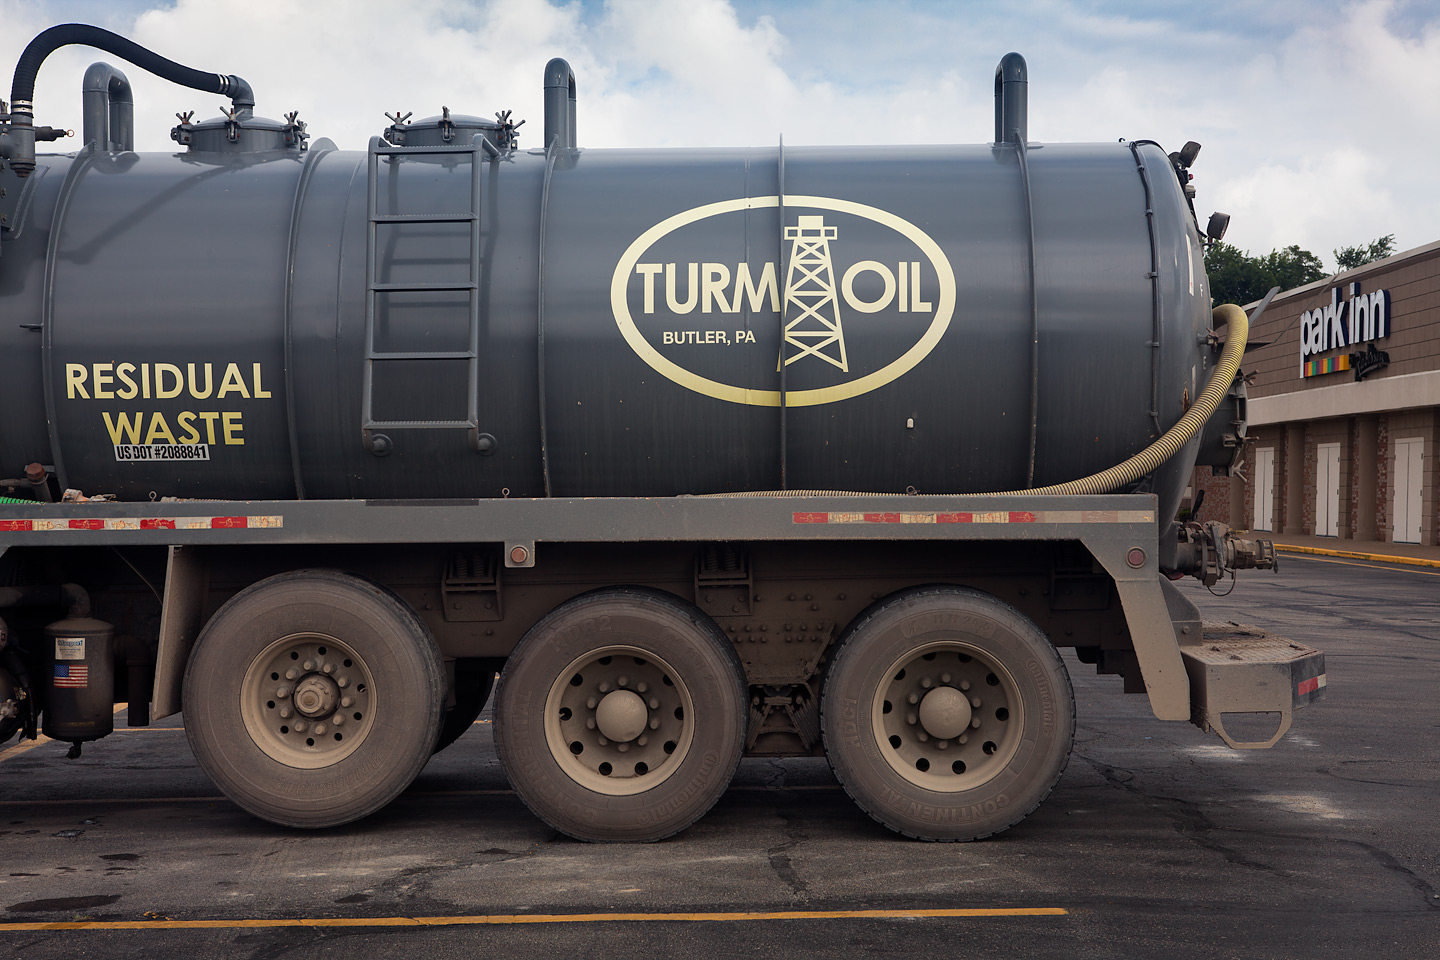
(474, 679)
(979, 768)
(265, 732)
(625, 646)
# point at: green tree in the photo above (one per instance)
(1237, 277)
(1348, 258)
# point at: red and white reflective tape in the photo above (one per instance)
(142, 523)
(999, 516)
(1309, 686)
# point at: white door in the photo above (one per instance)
(1327, 490)
(1407, 489)
(1265, 488)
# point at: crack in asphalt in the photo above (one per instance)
(780, 860)
(1194, 825)
(1189, 820)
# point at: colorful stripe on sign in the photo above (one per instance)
(1309, 686)
(142, 523)
(72, 675)
(1000, 516)
(1313, 368)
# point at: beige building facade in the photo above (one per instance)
(1344, 409)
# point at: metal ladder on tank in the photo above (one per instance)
(376, 442)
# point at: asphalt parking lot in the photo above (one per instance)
(1158, 841)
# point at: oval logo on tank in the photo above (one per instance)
(845, 299)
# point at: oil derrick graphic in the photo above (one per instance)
(815, 329)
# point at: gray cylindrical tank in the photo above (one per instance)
(247, 319)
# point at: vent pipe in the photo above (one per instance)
(559, 104)
(109, 108)
(1011, 100)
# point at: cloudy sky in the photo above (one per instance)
(1320, 119)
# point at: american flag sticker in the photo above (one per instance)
(72, 675)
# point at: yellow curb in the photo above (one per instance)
(509, 919)
(1357, 555)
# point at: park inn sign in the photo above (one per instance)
(1361, 319)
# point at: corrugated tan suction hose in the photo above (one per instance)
(1144, 462)
(1147, 460)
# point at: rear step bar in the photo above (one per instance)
(1238, 669)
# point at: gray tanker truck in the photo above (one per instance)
(712, 453)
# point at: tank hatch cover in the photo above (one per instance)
(237, 131)
(450, 129)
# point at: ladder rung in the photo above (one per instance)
(422, 151)
(423, 355)
(418, 287)
(423, 218)
(418, 424)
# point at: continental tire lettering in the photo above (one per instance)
(941, 814)
(1047, 696)
(665, 808)
(691, 290)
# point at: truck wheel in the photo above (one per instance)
(313, 698)
(621, 716)
(474, 679)
(947, 715)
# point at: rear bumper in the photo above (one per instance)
(1243, 670)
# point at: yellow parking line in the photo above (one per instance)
(519, 918)
(1352, 563)
(24, 746)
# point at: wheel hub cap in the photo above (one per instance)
(945, 713)
(621, 716)
(316, 696)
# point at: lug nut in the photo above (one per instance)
(975, 724)
(623, 681)
(975, 702)
(602, 741)
(300, 726)
(654, 703)
(642, 740)
(342, 682)
(604, 688)
(290, 674)
(926, 683)
(964, 684)
(319, 729)
(285, 713)
(590, 724)
(282, 691)
(347, 702)
(309, 666)
(654, 724)
(338, 719)
(913, 698)
(327, 668)
(944, 678)
(592, 703)
(642, 686)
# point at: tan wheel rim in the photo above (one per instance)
(619, 720)
(972, 707)
(308, 701)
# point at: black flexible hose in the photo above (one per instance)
(22, 90)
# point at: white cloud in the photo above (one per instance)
(1319, 120)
